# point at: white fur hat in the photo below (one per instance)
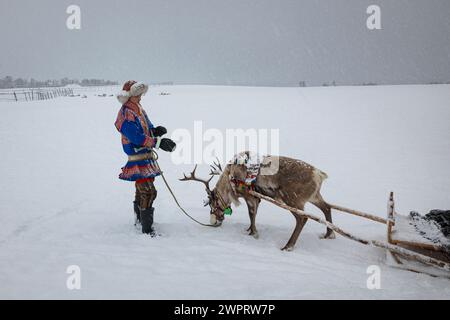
(131, 89)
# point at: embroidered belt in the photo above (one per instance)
(140, 157)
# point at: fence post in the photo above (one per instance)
(15, 96)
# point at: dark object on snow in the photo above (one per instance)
(137, 212)
(442, 218)
(159, 131)
(167, 145)
(147, 221)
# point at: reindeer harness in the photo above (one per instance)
(253, 165)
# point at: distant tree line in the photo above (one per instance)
(9, 82)
(333, 83)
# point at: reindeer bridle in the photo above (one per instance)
(214, 204)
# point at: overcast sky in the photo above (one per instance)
(252, 42)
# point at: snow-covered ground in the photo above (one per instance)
(62, 204)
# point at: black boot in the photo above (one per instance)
(137, 213)
(147, 221)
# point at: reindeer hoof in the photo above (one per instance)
(254, 234)
(287, 248)
(327, 235)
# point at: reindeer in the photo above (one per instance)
(291, 181)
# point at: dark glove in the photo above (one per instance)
(167, 145)
(159, 131)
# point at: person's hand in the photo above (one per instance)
(165, 144)
(159, 131)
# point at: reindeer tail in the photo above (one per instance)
(322, 174)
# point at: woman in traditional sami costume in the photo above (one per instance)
(139, 137)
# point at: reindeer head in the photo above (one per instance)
(216, 202)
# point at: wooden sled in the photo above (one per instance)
(410, 254)
(402, 233)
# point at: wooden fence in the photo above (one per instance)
(34, 94)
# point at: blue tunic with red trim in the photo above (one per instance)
(134, 125)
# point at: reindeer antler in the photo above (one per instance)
(192, 177)
(216, 168)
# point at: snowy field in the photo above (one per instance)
(62, 204)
